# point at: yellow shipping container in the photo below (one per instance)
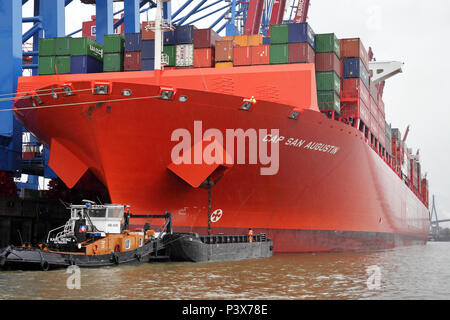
(224, 64)
(255, 40)
(228, 38)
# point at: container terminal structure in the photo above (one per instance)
(345, 180)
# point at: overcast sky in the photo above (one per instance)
(414, 32)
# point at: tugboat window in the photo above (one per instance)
(97, 213)
(115, 212)
(127, 244)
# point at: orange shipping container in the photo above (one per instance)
(224, 64)
(242, 56)
(204, 58)
(255, 40)
(354, 48)
(241, 40)
(224, 50)
(261, 54)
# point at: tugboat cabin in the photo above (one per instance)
(95, 230)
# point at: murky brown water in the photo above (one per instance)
(418, 272)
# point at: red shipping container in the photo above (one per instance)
(373, 106)
(132, 61)
(260, 54)
(224, 50)
(205, 38)
(355, 110)
(242, 56)
(204, 58)
(373, 91)
(147, 30)
(354, 48)
(381, 106)
(328, 61)
(354, 88)
(374, 125)
(301, 52)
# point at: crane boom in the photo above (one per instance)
(254, 15)
(406, 134)
(302, 11)
(277, 14)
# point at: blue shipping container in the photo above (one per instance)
(354, 68)
(184, 34)
(266, 40)
(85, 64)
(148, 49)
(302, 32)
(132, 42)
(148, 64)
(169, 37)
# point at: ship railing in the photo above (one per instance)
(67, 231)
(238, 238)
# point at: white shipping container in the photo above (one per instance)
(184, 55)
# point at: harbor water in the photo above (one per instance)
(416, 272)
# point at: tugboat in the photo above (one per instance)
(94, 236)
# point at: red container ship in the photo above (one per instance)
(324, 187)
(342, 198)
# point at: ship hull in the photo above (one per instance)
(342, 197)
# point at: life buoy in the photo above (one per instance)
(95, 249)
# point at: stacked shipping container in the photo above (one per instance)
(328, 72)
(292, 43)
(204, 47)
(114, 50)
(355, 96)
(69, 55)
(184, 39)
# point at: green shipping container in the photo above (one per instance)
(113, 43)
(328, 42)
(86, 47)
(46, 65)
(171, 52)
(327, 81)
(46, 47)
(113, 62)
(328, 100)
(62, 64)
(279, 33)
(62, 46)
(279, 53)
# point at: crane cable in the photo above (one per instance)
(80, 103)
(42, 94)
